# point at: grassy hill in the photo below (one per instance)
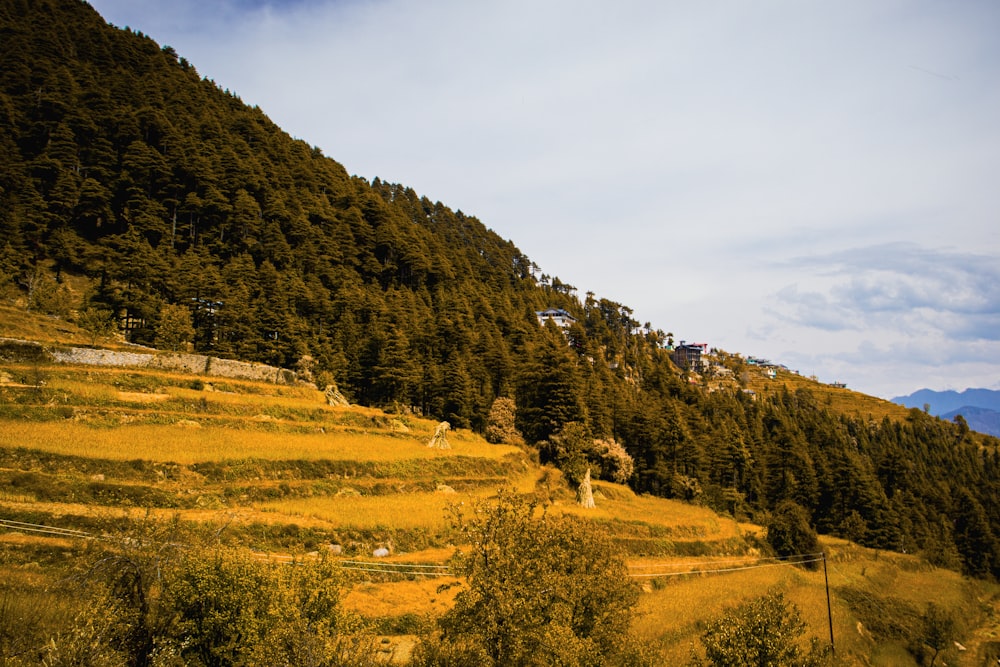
(276, 470)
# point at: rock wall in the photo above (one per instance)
(197, 364)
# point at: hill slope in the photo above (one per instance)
(132, 188)
(86, 451)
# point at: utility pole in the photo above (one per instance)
(829, 614)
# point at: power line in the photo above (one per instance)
(432, 570)
(716, 561)
(802, 559)
(21, 526)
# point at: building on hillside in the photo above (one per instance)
(205, 318)
(688, 355)
(130, 322)
(562, 318)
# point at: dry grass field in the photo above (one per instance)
(870, 591)
(187, 442)
(18, 323)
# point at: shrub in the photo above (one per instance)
(541, 591)
(789, 532)
(761, 631)
(156, 601)
(500, 427)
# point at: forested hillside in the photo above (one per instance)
(177, 202)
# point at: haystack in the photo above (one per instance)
(585, 494)
(440, 440)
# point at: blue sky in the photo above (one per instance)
(815, 183)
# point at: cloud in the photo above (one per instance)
(899, 286)
(891, 368)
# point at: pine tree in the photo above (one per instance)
(549, 394)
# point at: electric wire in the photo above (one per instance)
(40, 528)
(432, 570)
(716, 561)
(727, 569)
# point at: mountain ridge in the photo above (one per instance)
(979, 407)
(948, 400)
(979, 419)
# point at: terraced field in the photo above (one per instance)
(81, 442)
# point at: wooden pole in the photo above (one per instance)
(829, 614)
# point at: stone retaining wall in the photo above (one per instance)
(197, 364)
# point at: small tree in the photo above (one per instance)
(761, 632)
(157, 599)
(46, 295)
(175, 328)
(500, 428)
(542, 590)
(789, 532)
(615, 463)
(231, 609)
(938, 629)
(97, 322)
(574, 450)
(569, 450)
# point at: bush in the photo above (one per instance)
(789, 532)
(155, 601)
(500, 427)
(761, 631)
(541, 591)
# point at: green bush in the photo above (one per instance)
(540, 591)
(761, 631)
(789, 532)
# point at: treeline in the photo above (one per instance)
(120, 163)
(916, 485)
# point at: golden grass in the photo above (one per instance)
(100, 383)
(418, 510)
(842, 401)
(401, 511)
(685, 521)
(421, 597)
(220, 517)
(19, 323)
(275, 395)
(85, 390)
(672, 616)
(185, 443)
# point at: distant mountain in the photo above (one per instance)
(979, 407)
(981, 420)
(942, 402)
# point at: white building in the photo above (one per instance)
(557, 315)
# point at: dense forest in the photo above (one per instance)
(120, 163)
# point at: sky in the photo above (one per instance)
(815, 183)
